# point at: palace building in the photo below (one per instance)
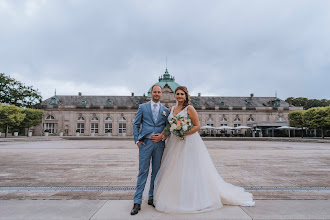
(115, 114)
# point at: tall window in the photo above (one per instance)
(81, 127)
(50, 117)
(50, 127)
(107, 126)
(95, 127)
(122, 128)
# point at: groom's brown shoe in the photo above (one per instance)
(151, 202)
(135, 209)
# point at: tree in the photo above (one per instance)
(33, 117)
(317, 118)
(14, 92)
(308, 103)
(10, 116)
(296, 120)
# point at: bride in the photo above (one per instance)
(187, 181)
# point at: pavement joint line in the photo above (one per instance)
(132, 188)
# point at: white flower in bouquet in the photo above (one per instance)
(179, 126)
(173, 126)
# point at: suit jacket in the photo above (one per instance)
(145, 119)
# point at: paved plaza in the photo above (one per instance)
(289, 180)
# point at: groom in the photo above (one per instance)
(153, 117)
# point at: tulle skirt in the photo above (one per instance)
(188, 182)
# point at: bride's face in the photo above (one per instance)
(180, 95)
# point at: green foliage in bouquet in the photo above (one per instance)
(179, 126)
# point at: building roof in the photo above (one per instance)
(196, 101)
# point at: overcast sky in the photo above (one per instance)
(222, 48)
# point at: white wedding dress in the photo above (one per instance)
(188, 182)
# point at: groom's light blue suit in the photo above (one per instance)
(150, 150)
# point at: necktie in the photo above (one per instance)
(155, 112)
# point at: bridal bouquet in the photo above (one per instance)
(178, 126)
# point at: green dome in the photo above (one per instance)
(166, 79)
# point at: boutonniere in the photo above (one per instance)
(164, 113)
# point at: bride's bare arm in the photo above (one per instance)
(194, 120)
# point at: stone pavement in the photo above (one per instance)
(113, 163)
(120, 209)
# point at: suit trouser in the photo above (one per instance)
(148, 151)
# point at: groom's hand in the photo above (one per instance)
(156, 138)
(139, 143)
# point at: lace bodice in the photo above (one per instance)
(183, 112)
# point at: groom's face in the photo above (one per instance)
(156, 93)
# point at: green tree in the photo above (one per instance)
(317, 118)
(296, 120)
(10, 116)
(33, 117)
(14, 92)
(308, 103)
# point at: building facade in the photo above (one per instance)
(115, 114)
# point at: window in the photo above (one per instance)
(95, 119)
(122, 128)
(195, 102)
(95, 127)
(223, 119)
(280, 119)
(223, 125)
(122, 119)
(250, 119)
(83, 102)
(81, 118)
(209, 120)
(137, 102)
(237, 119)
(248, 103)
(108, 119)
(50, 127)
(54, 101)
(50, 117)
(110, 102)
(237, 125)
(222, 103)
(107, 126)
(81, 127)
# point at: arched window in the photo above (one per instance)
(83, 102)
(223, 119)
(209, 120)
(122, 119)
(250, 119)
(108, 119)
(50, 117)
(95, 119)
(237, 119)
(110, 102)
(80, 118)
(280, 119)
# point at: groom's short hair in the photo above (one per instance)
(152, 87)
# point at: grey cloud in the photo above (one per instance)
(229, 48)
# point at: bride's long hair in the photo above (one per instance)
(185, 90)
